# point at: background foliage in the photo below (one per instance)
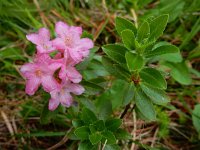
(177, 125)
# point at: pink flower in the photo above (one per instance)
(63, 95)
(69, 39)
(40, 72)
(68, 71)
(42, 40)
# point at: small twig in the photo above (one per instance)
(125, 111)
(134, 17)
(40, 12)
(7, 122)
(63, 141)
(134, 130)
(154, 137)
(104, 145)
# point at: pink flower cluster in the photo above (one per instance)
(57, 75)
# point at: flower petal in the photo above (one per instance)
(61, 29)
(73, 74)
(28, 69)
(44, 34)
(85, 43)
(49, 83)
(53, 104)
(66, 99)
(54, 66)
(76, 29)
(32, 85)
(76, 89)
(34, 38)
(59, 44)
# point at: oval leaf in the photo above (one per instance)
(144, 105)
(143, 32)
(165, 49)
(157, 26)
(157, 96)
(153, 77)
(134, 61)
(116, 52)
(123, 24)
(82, 132)
(128, 39)
(95, 138)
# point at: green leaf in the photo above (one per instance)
(109, 136)
(97, 126)
(129, 94)
(77, 123)
(196, 117)
(134, 61)
(88, 116)
(165, 49)
(143, 32)
(109, 66)
(180, 72)
(113, 124)
(47, 115)
(121, 134)
(116, 52)
(157, 26)
(122, 71)
(144, 105)
(118, 93)
(128, 39)
(86, 145)
(123, 24)
(157, 96)
(153, 77)
(82, 132)
(95, 138)
(104, 106)
(112, 147)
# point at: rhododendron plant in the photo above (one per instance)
(71, 49)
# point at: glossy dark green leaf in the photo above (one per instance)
(82, 132)
(157, 26)
(145, 105)
(134, 61)
(165, 49)
(116, 52)
(88, 116)
(77, 123)
(95, 138)
(123, 24)
(128, 94)
(157, 96)
(143, 32)
(109, 66)
(86, 145)
(109, 136)
(121, 134)
(153, 77)
(112, 147)
(97, 126)
(128, 39)
(104, 106)
(113, 124)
